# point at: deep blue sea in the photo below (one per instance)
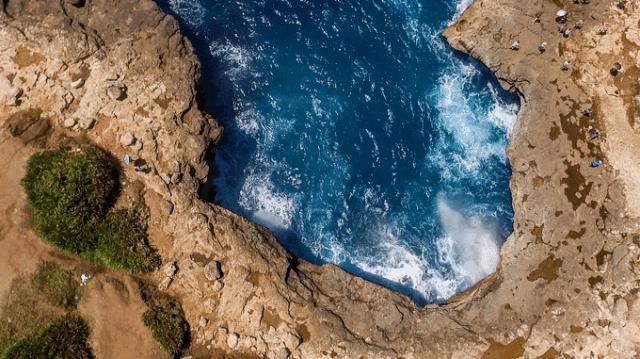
(358, 136)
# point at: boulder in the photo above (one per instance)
(69, 122)
(127, 139)
(167, 207)
(117, 93)
(170, 269)
(232, 340)
(213, 271)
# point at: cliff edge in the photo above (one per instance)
(123, 77)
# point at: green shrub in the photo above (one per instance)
(121, 243)
(69, 193)
(66, 338)
(59, 287)
(165, 318)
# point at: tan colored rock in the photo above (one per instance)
(554, 292)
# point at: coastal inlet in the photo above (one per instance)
(358, 136)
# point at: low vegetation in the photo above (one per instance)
(38, 319)
(165, 318)
(65, 338)
(71, 195)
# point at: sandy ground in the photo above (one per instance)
(111, 302)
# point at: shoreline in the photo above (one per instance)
(566, 283)
(292, 242)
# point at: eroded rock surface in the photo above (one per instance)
(567, 283)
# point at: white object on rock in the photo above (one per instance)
(69, 122)
(84, 279)
(86, 123)
(127, 139)
(77, 83)
(170, 269)
(166, 282)
(232, 340)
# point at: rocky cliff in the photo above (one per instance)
(121, 75)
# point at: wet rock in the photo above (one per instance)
(213, 271)
(127, 139)
(117, 93)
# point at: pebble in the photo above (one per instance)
(116, 93)
(14, 96)
(127, 139)
(170, 269)
(167, 207)
(87, 123)
(213, 271)
(166, 282)
(69, 122)
(232, 340)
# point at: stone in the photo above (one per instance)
(170, 269)
(14, 95)
(618, 254)
(208, 335)
(86, 123)
(77, 83)
(165, 283)
(232, 340)
(222, 331)
(281, 353)
(213, 271)
(167, 207)
(127, 139)
(117, 93)
(138, 146)
(203, 322)
(218, 285)
(620, 308)
(69, 122)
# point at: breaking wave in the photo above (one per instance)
(358, 136)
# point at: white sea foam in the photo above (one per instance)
(395, 262)
(268, 206)
(190, 11)
(469, 246)
(235, 59)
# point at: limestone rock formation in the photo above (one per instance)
(568, 278)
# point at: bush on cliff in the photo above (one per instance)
(165, 318)
(71, 195)
(121, 244)
(66, 338)
(33, 303)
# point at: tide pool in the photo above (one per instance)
(358, 136)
